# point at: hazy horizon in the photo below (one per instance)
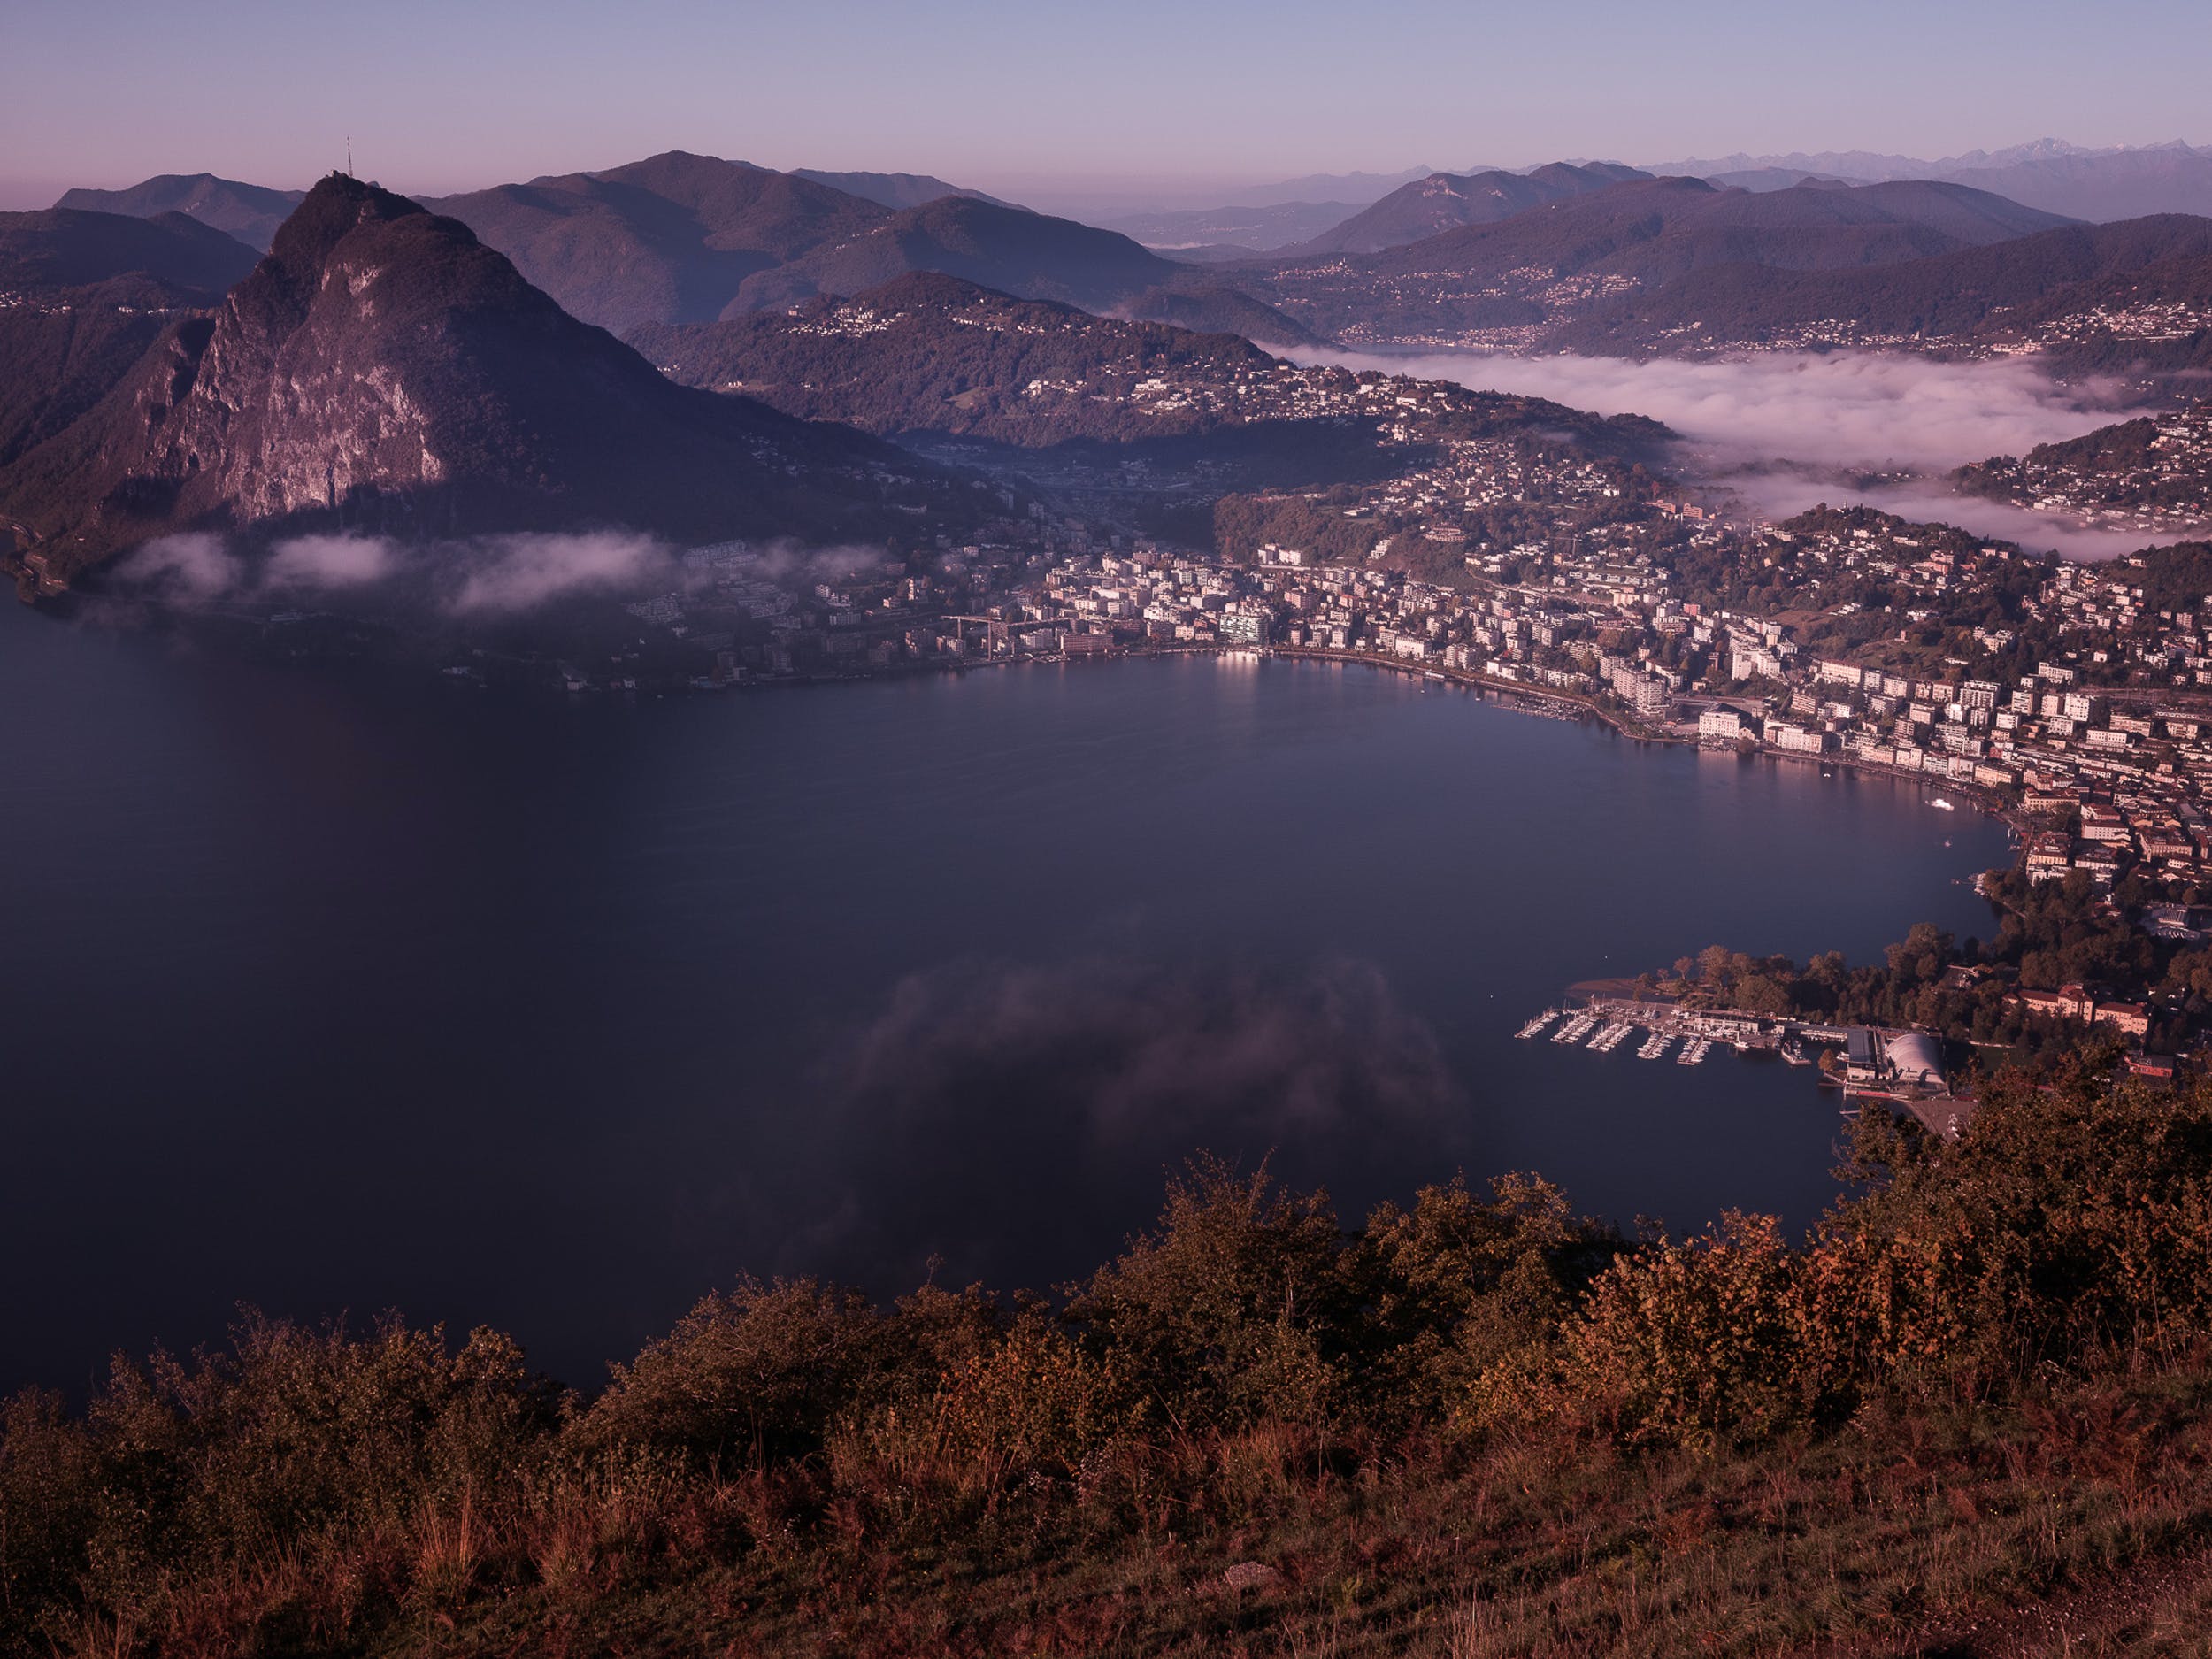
(1144, 105)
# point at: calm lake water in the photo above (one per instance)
(329, 994)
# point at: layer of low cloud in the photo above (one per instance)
(330, 562)
(470, 578)
(192, 570)
(1789, 429)
(1864, 411)
(788, 561)
(520, 573)
(478, 578)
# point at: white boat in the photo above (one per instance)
(1941, 805)
(1576, 1029)
(1609, 1038)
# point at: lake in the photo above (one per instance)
(328, 991)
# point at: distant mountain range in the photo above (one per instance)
(382, 370)
(1528, 271)
(669, 239)
(680, 238)
(1008, 248)
(1445, 200)
(1404, 207)
(2055, 179)
(250, 212)
(2096, 185)
(68, 248)
(1873, 167)
(1656, 228)
(1030, 255)
(2088, 277)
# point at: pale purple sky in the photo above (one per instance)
(1036, 98)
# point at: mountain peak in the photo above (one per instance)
(337, 205)
(1446, 201)
(382, 370)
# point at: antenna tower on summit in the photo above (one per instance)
(349, 155)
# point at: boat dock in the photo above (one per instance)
(1606, 1022)
(1744, 1031)
(1902, 1068)
(1576, 1029)
(1609, 1038)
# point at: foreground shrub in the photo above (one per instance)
(1245, 1366)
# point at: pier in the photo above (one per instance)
(1902, 1069)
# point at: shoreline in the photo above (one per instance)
(1551, 701)
(1972, 794)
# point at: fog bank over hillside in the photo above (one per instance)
(1863, 410)
(1790, 429)
(1785, 491)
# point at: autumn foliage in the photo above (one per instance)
(798, 1446)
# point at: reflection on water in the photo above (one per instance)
(328, 993)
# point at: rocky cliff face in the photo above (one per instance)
(316, 384)
(381, 369)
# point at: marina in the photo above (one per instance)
(1902, 1067)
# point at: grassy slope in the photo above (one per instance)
(1907, 1532)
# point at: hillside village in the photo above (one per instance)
(2099, 327)
(2153, 475)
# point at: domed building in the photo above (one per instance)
(1915, 1060)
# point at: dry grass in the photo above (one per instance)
(1863, 1543)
